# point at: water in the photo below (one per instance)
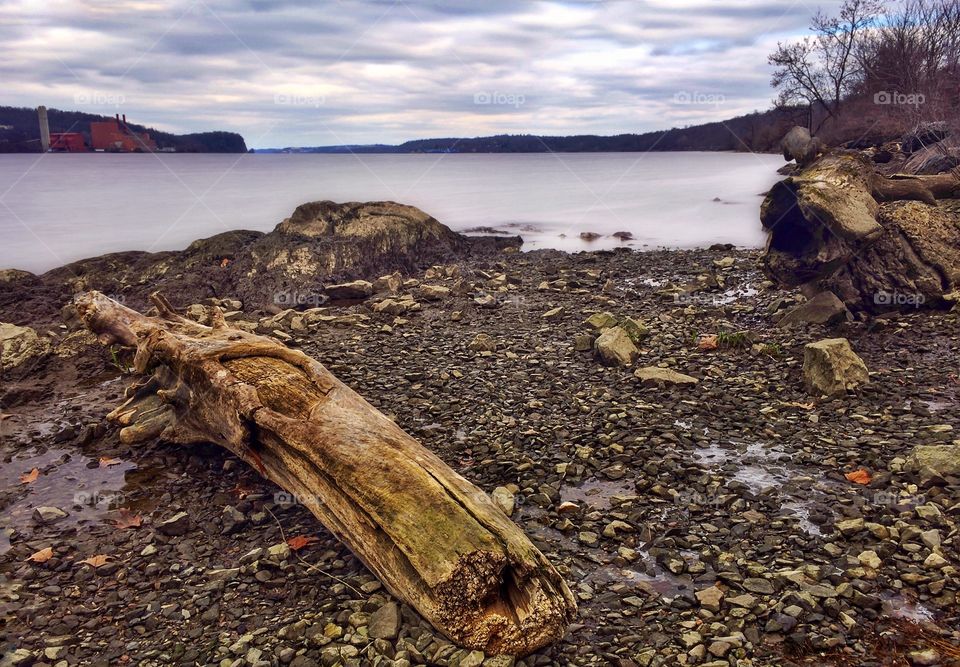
(57, 208)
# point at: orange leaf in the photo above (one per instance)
(707, 343)
(98, 560)
(860, 476)
(127, 519)
(42, 556)
(224, 263)
(107, 462)
(300, 541)
(30, 477)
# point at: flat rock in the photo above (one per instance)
(825, 309)
(664, 377)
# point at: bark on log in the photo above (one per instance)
(877, 243)
(434, 540)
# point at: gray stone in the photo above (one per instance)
(384, 623)
(176, 525)
(825, 309)
(664, 377)
(47, 514)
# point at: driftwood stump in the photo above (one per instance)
(435, 541)
(878, 243)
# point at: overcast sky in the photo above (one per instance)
(302, 73)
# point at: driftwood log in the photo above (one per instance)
(435, 541)
(878, 243)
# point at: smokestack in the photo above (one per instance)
(44, 128)
(124, 120)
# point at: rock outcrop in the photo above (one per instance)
(321, 243)
(877, 243)
(19, 344)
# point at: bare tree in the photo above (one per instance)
(820, 70)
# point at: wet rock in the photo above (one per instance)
(47, 514)
(824, 309)
(615, 348)
(175, 526)
(664, 377)
(357, 289)
(384, 623)
(831, 367)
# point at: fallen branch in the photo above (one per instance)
(435, 541)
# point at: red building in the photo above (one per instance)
(67, 142)
(114, 135)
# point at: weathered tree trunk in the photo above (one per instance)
(877, 243)
(435, 540)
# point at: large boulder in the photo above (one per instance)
(799, 145)
(321, 242)
(615, 348)
(877, 243)
(935, 460)
(355, 289)
(831, 367)
(19, 344)
(825, 308)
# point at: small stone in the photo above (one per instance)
(935, 561)
(600, 321)
(710, 598)
(663, 377)
(384, 623)
(483, 343)
(758, 585)
(930, 538)
(554, 313)
(588, 538)
(850, 526)
(615, 348)
(927, 656)
(357, 289)
(176, 525)
(614, 527)
(504, 499)
(870, 559)
(47, 514)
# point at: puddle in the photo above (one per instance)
(756, 466)
(67, 480)
(599, 494)
(897, 606)
(663, 583)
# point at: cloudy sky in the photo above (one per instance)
(304, 73)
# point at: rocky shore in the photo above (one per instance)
(706, 507)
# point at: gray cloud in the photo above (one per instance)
(296, 72)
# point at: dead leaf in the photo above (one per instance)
(106, 462)
(300, 541)
(860, 476)
(707, 343)
(42, 556)
(127, 519)
(98, 560)
(30, 477)
(224, 263)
